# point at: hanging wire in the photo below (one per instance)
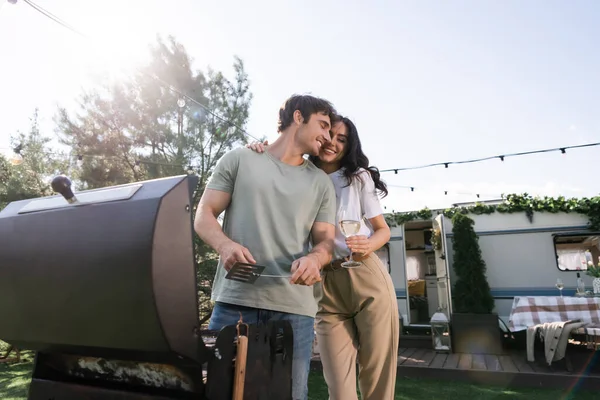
(563, 150)
(395, 170)
(446, 192)
(153, 76)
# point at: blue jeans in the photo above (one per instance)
(303, 327)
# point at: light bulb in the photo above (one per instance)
(16, 159)
(181, 103)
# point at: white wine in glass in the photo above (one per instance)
(560, 286)
(349, 227)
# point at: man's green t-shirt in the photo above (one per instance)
(272, 210)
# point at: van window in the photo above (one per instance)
(575, 252)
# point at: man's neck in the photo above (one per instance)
(329, 168)
(286, 149)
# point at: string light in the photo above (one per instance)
(563, 150)
(190, 170)
(446, 192)
(446, 164)
(18, 159)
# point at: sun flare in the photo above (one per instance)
(116, 43)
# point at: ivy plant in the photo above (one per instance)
(513, 203)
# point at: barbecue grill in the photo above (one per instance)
(101, 284)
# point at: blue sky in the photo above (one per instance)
(425, 81)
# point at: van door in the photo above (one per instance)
(397, 260)
(442, 268)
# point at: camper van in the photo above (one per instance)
(523, 258)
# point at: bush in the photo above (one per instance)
(471, 292)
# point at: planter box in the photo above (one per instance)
(476, 334)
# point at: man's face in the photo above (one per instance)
(315, 133)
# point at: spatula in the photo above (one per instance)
(249, 273)
(246, 273)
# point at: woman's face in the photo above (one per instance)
(332, 152)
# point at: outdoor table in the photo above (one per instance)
(533, 310)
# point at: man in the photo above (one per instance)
(278, 204)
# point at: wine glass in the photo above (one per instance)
(560, 286)
(350, 226)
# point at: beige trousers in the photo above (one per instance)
(358, 319)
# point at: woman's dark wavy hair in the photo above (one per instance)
(354, 158)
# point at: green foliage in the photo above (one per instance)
(472, 291)
(5, 175)
(593, 269)
(40, 164)
(515, 203)
(138, 128)
(402, 218)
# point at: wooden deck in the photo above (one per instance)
(510, 370)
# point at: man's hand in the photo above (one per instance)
(306, 271)
(233, 252)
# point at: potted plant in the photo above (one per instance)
(475, 327)
(594, 271)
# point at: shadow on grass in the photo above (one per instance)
(15, 378)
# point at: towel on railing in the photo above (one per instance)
(555, 336)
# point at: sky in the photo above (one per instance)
(424, 81)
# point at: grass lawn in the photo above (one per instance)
(14, 379)
(14, 382)
(424, 389)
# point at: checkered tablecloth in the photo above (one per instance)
(530, 311)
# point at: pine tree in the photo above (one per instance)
(472, 291)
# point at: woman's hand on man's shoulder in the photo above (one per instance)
(258, 146)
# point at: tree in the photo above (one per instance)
(40, 164)
(472, 291)
(141, 128)
(5, 175)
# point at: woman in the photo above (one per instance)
(358, 313)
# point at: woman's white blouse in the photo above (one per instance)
(361, 202)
